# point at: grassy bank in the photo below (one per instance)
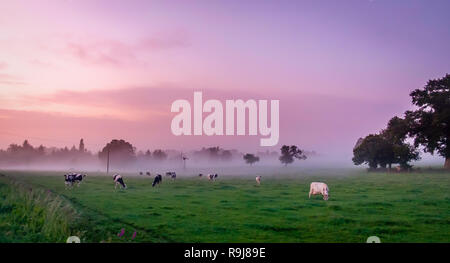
(29, 214)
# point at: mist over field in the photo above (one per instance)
(235, 166)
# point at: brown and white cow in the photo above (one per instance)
(318, 188)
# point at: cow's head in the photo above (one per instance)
(325, 194)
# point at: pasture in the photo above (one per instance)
(409, 207)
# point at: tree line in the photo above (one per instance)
(120, 153)
(428, 126)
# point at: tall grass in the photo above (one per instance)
(30, 214)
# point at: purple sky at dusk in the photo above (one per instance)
(101, 70)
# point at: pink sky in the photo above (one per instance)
(101, 70)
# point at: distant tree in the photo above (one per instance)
(213, 152)
(396, 131)
(26, 146)
(41, 150)
(386, 148)
(226, 155)
(159, 155)
(81, 146)
(373, 150)
(429, 125)
(251, 158)
(290, 153)
(120, 152)
(402, 152)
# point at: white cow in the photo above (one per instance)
(317, 188)
(258, 180)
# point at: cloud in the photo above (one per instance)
(3, 65)
(322, 123)
(8, 79)
(119, 53)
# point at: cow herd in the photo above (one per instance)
(316, 188)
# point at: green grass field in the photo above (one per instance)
(409, 207)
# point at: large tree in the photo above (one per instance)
(120, 152)
(290, 153)
(387, 148)
(396, 134)
(429, 124)
(159, 155)
(373, 150)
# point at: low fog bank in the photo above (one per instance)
(122, 157)
(322, 165)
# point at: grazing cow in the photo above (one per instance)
(172, 175)
(119, 181)
(212, 177)
(69, 179)
(258, 180)
(77, 178)
(200, 175)
(317, 188)
(157, 180)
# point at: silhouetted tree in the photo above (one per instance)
(386, 148)
(81, 146)
(373, 150)
(395, 134)
(251, 158)
(289, 153)
(159, 155)
(120, 153)
(429, 125)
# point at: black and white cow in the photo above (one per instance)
(78, 178)
(71, 178)
(119, 181)
(172, 175)
(157, 180)
(212, 177)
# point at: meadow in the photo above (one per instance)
(397, 207)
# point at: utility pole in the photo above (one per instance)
(107, 163)
(184, 162)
